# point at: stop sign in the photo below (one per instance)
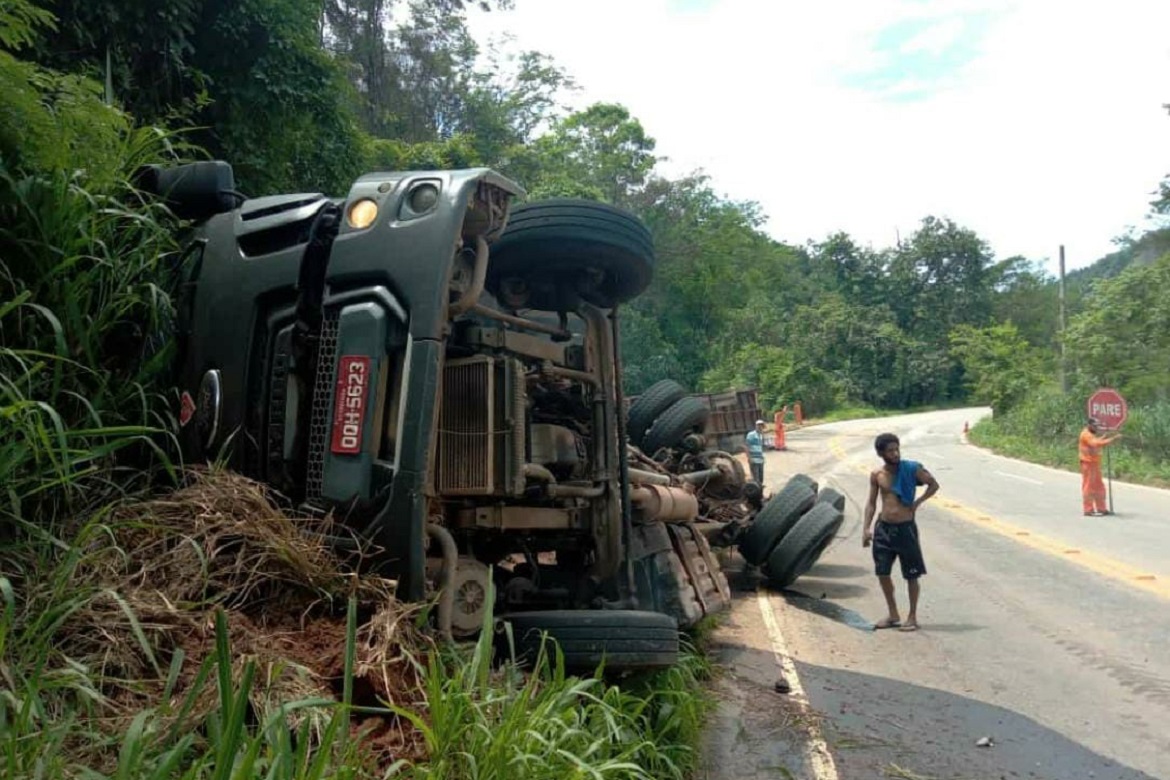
(1108, 407)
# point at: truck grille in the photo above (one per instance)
(466, 428)
(277, 401)
(322, 410)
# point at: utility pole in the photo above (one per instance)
(1063, 325)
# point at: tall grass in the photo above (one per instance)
(1044, 429)
(216, 718)
(82, 309)
(232, 741)
(504, 724)
(83, 303)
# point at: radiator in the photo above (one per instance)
(481, 428)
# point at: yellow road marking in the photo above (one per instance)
(836, 448)
(1100, 564)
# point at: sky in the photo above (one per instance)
(1035, 123)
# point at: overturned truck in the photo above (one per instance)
(439, 369)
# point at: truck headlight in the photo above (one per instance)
(423, 198)
(362, 213)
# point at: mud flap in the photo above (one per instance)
(703, 571)
(676, 573)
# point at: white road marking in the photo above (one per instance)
(820, 760)
(1022, 479)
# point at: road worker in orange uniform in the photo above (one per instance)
(1092, 486)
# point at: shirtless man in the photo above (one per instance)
(896, 535)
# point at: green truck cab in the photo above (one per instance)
(438, 367)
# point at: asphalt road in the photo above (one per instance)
(1043, 630)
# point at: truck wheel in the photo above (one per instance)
(799, 550)
(656, 400)
(623, 639)
(811, 560)
(685, 416)
(832, 498)
(806, 479)
(771, 523)
(606, 251)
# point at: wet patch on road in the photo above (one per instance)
(827, 609)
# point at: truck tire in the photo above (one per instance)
(606, 251)
(771, 523)
(831, 497)
(811, 560)
(806, 479)
(799, 550)
(623, 639)
(684, 416)
(657, 399)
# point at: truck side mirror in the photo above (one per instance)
(197, 190)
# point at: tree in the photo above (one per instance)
(250, 73)
(856, 273)
(1122, 338)
(509, 101)
(647, 354)
(143, 49)
(1027, 296)
(280, 111)
(413, 69)
(780, 376)
(941, 278)
(1000, 367)
(720, 282)
(52, 121)
(601, 149)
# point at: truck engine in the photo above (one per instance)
(438, 371)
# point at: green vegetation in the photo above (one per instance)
(845, 413)
(508, 724)
(137, 654)
(83, 305)
(161, 622)
(303, 94)
(143, 637)
(1044, 429)
(1119, 338)
(838, 325)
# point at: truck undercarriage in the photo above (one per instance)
(439, 369)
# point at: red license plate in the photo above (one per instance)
(349, 406)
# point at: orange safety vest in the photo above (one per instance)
(1090, 447)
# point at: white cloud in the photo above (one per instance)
(1053, 133)
(935, 39)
